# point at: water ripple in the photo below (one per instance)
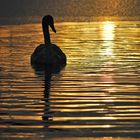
(96, 94)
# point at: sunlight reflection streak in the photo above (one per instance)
(108, 37)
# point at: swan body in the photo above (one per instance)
(48, 53)
(51, 54)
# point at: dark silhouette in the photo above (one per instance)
(47, 59)
(47, 72)
(48, 53)
(47, 114)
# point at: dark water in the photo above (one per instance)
(96, 94)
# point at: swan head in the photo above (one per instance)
(48, 21)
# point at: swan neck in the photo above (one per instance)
(46, 33)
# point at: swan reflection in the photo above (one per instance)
(46, 73)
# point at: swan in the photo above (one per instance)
(48, 53)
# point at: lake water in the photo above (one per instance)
(97, 94)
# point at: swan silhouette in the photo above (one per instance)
(48, 53)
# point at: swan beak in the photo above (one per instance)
(53, 28)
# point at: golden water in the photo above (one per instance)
(96, 94)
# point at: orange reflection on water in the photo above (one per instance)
(80, 126)
(22, 127)
(77, 110)
(108, 36)
(22, 117)
(93, 87)
(108, 30)
(83, 118)
(107, 50)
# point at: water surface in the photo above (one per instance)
(96, 94)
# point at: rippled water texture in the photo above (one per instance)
(96, 94)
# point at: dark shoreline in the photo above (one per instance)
(37, 19)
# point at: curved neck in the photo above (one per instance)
(46, 33)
